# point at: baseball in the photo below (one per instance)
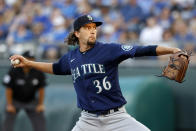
(15, 62)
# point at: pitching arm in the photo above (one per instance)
(42, 66)
(161, 50)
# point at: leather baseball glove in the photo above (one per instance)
(178, 64)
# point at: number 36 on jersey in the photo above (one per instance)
(102, 85)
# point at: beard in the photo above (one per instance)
(91, 42)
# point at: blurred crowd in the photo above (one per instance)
(43, 25)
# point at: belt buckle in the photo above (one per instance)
(111, 111)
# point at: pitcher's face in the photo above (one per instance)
(87, 34)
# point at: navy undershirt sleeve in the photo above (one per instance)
(146, 51)
(62, 67)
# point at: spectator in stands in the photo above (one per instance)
(132, 11)
(22, 84)
(3, 28)
(8, 16)
(83, 7)
(69, 9)
(41, 17)
(158, 6)
(129, 36)
(47, 7)
(192, 29)
(124, 37)
(109, 34)
(165, 18)
(3, 6)
(37, 30)
(21, 35)
(133, 36)
(50, 43)
(152, 29)
(146, 6)
(167, 41)
(181, 33)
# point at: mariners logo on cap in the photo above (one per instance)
(90, 17)
(126, 47)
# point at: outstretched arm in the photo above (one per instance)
(42, 66)
(161, 50)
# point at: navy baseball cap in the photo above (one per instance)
(29, 54)
(83, 20)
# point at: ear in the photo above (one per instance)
(76, 34)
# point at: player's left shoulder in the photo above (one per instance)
(106, 45)
(121, 46)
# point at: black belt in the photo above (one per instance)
(104, 112)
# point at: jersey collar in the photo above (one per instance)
(96, 43)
